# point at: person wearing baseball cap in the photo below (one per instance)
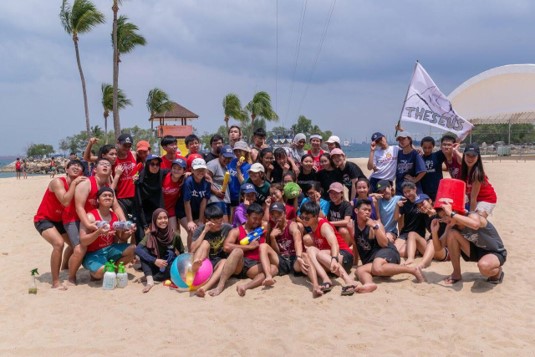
(316, 150)
(340, 211)
(238, 168)
(125, 169)
(261, 185)
(217, 169)
(196, 192)
(382, 160)
(333, 142)
(350, 171)
(248, 196)
(410, 165)
(481, 195)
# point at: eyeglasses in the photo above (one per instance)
(305, 218)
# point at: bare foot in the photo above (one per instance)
(450, 280)
(241, 290)
(147, 288)
(140, 280)
(215, 291)
(317, 292)
(59, 286)
(200, 292)
(71, 282)
(269, 281)
(195, 266)
(418, 274)
(408, 262)
(366, 288)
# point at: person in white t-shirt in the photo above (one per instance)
(382, 160)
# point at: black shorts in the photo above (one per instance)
(215, 260)
(477, 253)
(347, 260)
(127, 205)
(389, 254)
(45, 224)
(403, 236)
(247, 264)
(286, 264)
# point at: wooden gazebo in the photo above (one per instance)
(179, 131)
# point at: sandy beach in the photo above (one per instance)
(400, 318)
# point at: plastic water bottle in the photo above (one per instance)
(33, 286)
(122, 226)
(122, 276)
(110, 278)
(101, 224)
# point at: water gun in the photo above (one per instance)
(225, 182)
(242, 159)
(170, 257)
(253, 235)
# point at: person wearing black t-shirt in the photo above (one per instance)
(340, 211)
(350, 171)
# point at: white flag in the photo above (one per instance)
(426, 104)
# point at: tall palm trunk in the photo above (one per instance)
(106, 115)
(82, 78)
(116, 120)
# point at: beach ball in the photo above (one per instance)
(291, 190)
(183, 277)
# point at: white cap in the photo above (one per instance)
(333, 139)
(256, 167)
(198, 163)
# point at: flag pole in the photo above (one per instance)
(403, 106)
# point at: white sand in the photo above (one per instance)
(401, 317)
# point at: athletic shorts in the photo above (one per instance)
(215, 260)
(234, 203)
(93, 261)
(403, 236)
(73, 231)
(286, 264)
(247, 264)
(477, 253)
(225, 207)
(391, 255)
(485, 207)
(347, 260)
(45, 224)
(182, 214)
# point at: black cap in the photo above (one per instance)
(125, 139)
(382, 184)
(472, 149)
(277, 206)
(376, 136)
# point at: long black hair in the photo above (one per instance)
(477, 173)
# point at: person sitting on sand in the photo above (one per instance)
(244, 260)
(48, 219)
(284, 249)
(326, 249)
(378, 255)
(99, 243)
(474, 238)
(208, 240)
(340, 212)
(386, 207)
(411, 222)
(158, 249)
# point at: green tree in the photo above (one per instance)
(158, 102)
(260, 107)
(128, 38)
(491, 133)
(303, 125)
(233, 109)
(81, 18)
(39, 150)
(107, 103)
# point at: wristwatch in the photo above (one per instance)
(452, 214)
(376, 227)
(334, 258)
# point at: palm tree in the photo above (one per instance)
(81, 18)
(116, 121)
(127, 40)
(232, 108)
(158, 102)
(107, 103)
(260, 106)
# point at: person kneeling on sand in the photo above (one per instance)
(475, 239)
(100, 242)
(285, 249)
(327, 249)
(378, 255)
(244, 260)
(158, 249)
(208, 240)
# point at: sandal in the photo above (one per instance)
(326, 287)
(348, 290)
(497, 280)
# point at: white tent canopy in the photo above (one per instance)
(501, 95)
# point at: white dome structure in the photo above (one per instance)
(501, 95)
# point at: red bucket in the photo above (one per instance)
(453, 191)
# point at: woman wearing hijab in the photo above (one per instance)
(149, 194)
(158, 249)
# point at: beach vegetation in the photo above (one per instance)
(39, 150)
(107, 104)
(233, 109)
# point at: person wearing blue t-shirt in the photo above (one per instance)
(386, 206)
(433, 162)
(410, 165)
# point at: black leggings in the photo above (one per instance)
(152, 270)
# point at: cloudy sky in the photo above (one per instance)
(350, 77)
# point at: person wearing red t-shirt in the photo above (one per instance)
(449, 148)
(172, 152)
(315, 150)
(18, 168)
(326, 249)
(47, 220)
(172, 189)
(244, 260)
(100, 242)
(125, 170)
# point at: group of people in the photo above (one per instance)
(315, 212)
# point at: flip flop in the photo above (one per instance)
(348, 290)
(326, 287)
(450, 281)
(498, 280)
